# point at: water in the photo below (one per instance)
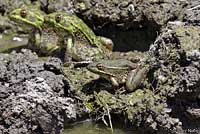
(89, 127)
(8, 43)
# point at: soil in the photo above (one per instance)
(39, 95)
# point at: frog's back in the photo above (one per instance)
(84, 34)
(81, 27)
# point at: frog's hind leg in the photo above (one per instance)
(106, 42)
(114, 82)
(83, 50)
(136, 77)
(74, 51)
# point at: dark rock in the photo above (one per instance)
(128, 13)
(50, 6)
(32, 98)
(6, 6)
(192, 13)
(53, 64)
(177, 72)
(193, 113)
(189, 80)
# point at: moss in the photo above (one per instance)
(189, 37)
(133, 105)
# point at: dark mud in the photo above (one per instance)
(36, 97)
(191, 14)
(33, 95)
(132, 25)
(178, 76)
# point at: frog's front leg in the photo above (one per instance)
(38, 43)
(34, 40)
(37, 40)
(136, 77)
(114, 82)
(68, 54)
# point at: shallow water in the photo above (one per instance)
(9, 43)
(89, 127)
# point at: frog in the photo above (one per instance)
(46, 39)
(81, 43)
(42, 38)
(120, 71)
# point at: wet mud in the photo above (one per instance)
(40, 95)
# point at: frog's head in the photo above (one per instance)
(28, 18)
(108, 67)
(116, 71)
(60, 20)
(111, 68)
(100, 68)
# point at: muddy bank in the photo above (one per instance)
(33, 95)
(40, 96)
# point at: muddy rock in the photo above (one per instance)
(129, 13)
(36, 110)
(132, 25)
(142, 108)
(191, 14)
(194, 57)
(167, 56)
(56, 5)
(172, 51)
(104, 12)
(5, 23)
(178, 73)
(188, 36)
(162, 11)
(33, 94)
(190, 80)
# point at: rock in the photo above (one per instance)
(56, 5)
(189, 81)
(33, 95)
(176, 59)
(192, 13)
(193, 113)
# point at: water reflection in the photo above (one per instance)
(89, 127)
(8, 42)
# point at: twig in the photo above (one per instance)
(104, 121)
(109, 117)
(108, 112)
(193, 8)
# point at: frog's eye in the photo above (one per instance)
(100, 66)
(23, 13)
(58, 18)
